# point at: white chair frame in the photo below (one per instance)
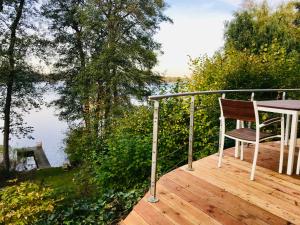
(257, 140)
(298, 163)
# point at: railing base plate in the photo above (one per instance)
(152, 199)
(190, 169)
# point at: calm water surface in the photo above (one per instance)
(48, 129)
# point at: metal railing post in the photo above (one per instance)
(283, 95)
(287, 124)
(153, 197)
(252, 96)
(220, 132)
(191, 135)
(251, 99)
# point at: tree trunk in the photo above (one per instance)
(6, 129)
(1, 5)
(9, 84)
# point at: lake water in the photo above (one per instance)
(48, 129)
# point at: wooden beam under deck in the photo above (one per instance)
(211, 195)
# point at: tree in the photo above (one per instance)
(257, 25)
(128, 49)
(115, 39)
(297, 20)
(260, 51)
(17, 81)
(70, 51)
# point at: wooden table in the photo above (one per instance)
(290, 108)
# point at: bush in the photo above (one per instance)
(126, 163)
(24, 203)
(106, 210)
(80, 144)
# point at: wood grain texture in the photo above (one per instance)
(210, 195)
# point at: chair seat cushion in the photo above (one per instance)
(247, 134)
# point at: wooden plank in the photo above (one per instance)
(41, 158)
(200, 202)
(242, 210)
(269, 203)
(171, 213)
(267, 158)
(134, 219)
(263, 169)
(238, 110)
(281, 104)
(270, 178)
(195, 215)
(243, 178)
(150, 214)
(266, 183)
(279, 196)
(214, 196)
(261, 172)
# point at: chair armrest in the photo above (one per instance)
(270, 121)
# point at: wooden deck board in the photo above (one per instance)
(238, 208)
(211, 195)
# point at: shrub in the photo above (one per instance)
(106, 210)
(127, 161)
(23, 203)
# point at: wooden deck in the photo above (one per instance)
(211, 195)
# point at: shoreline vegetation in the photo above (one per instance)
(174, 79)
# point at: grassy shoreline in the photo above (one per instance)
(62, 181)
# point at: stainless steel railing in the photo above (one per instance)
(153, 197)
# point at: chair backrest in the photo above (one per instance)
(238, 110)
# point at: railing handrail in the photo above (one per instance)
(158, 97)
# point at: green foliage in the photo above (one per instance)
(104, 59)
(106, 53)
(23, 203)
(125, 160)
(61, 182)
(272, 67)
(79, 144)
(258, 25)
(19, 90)
(105, 210)
(84, 150)
(123, 163)
(261, 52)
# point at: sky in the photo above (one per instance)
(198, 29)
